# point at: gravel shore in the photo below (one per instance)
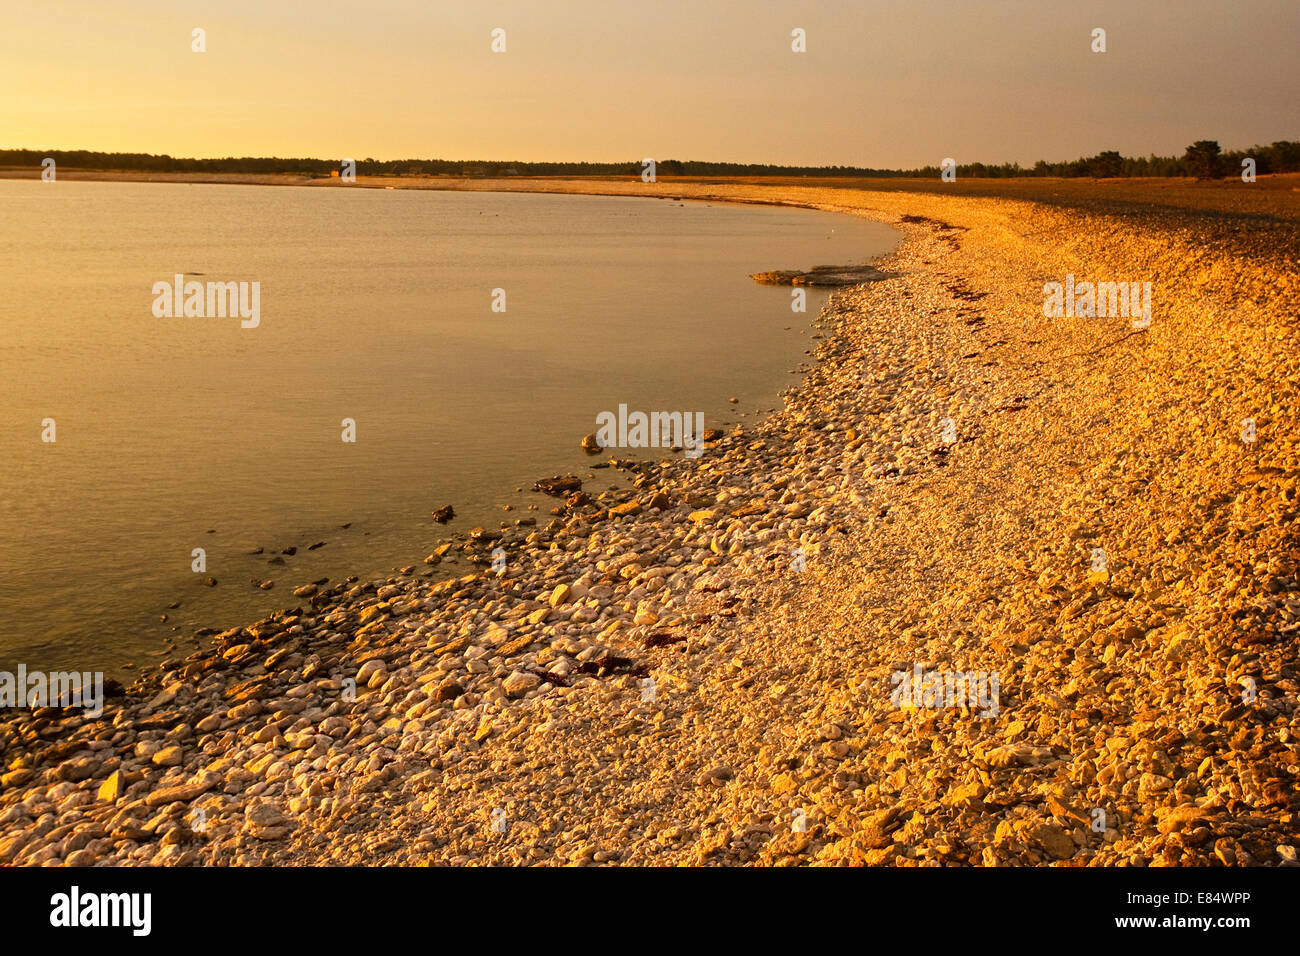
(700, 670)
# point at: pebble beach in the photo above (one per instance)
(698, 669)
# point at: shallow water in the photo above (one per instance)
(181, 433)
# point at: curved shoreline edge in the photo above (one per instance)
(507, 720)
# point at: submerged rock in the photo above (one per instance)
(558, 486)
(821, 276)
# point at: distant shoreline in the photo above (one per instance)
(1272, 195)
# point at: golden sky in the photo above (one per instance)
(884, 83)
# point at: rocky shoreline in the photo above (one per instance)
(698, 669)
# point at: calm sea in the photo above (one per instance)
(173, 434)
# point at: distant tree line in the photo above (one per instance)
(1202, 159)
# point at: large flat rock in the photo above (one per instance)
(822, 276)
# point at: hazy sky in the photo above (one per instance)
(884, 83)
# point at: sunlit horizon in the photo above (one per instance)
(1009, 81)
